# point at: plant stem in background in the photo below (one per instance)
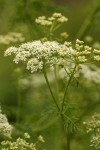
(84, 29)
(18, 103)
(68, 140)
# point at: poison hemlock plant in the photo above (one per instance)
(47, 53)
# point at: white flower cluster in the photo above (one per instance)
(43, 21)
(38, 54)
(95, 142)
(94, 124)
(56, 17)
(81, 52)
(41, 139)
(64, 35)
(84, 53)
(21, 143)
(5, 127)
(97, 54)
(11, 37)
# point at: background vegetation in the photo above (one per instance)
(23, 97)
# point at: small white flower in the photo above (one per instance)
(10, 50)
(40, 138)
(26, 135)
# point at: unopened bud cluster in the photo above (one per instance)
(56, 17)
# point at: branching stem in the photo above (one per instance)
(66, 89)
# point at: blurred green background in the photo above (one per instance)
(35, 113)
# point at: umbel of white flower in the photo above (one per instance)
(56, 17)
(21, 143)
(41, 55)
(95, 142)
(93, 126)
(5, 127)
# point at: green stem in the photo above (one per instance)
(68, 140)
(56, 82)
(67, 133)
(69, 81)
(47, 81)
